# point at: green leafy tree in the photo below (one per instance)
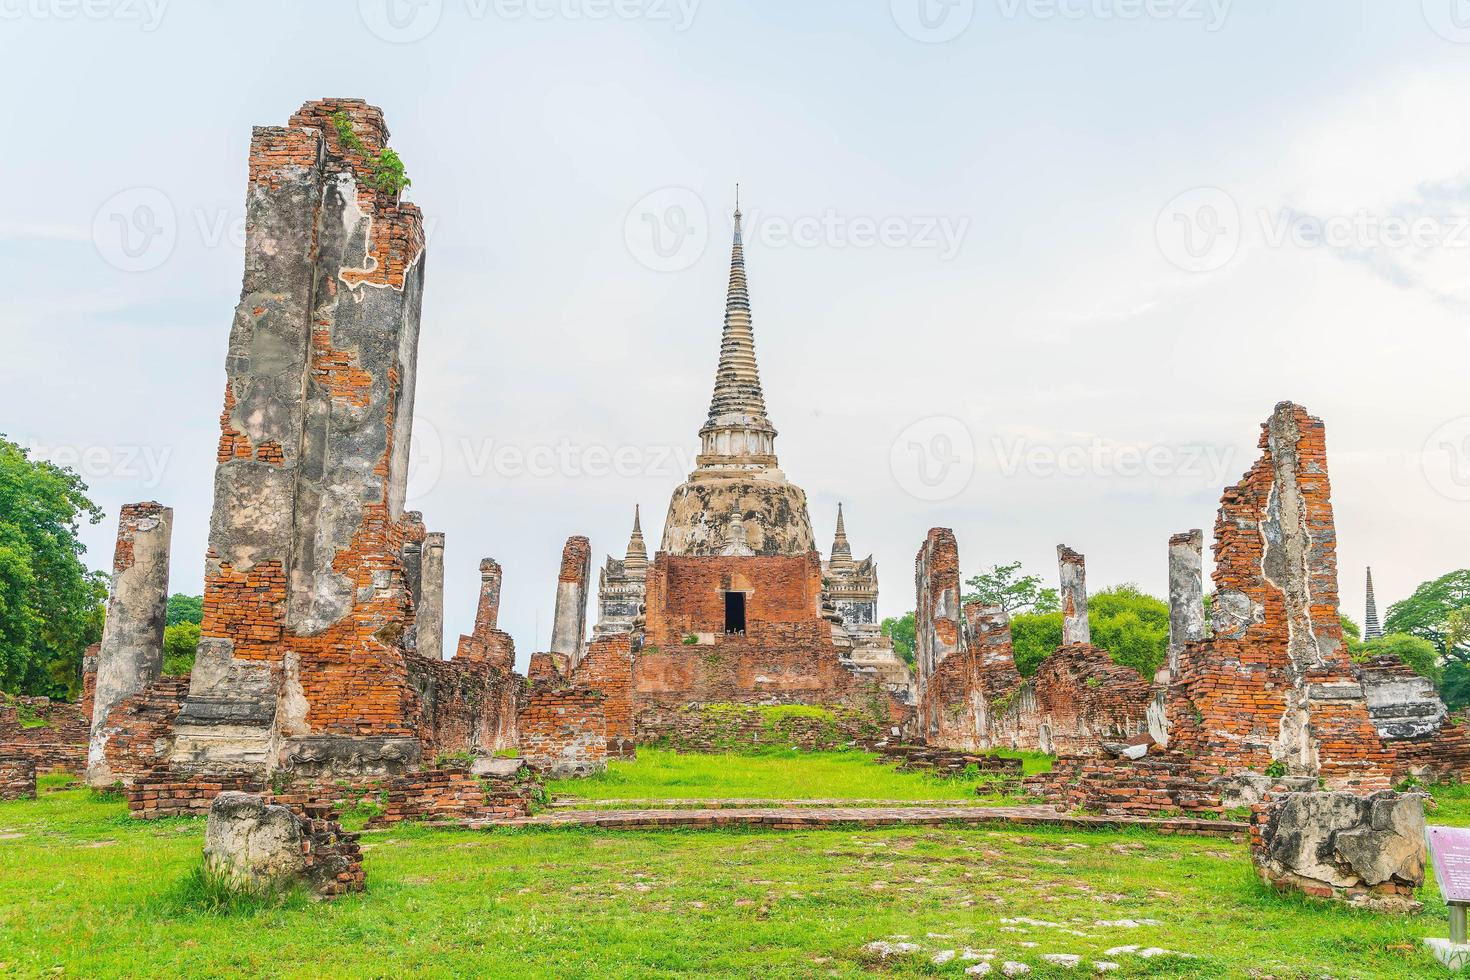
(1350, 630)
(1455, 688)
(1430, 613)
(1130, 624)
(900, 630)
(184, 609)
(1004, 586)
(180, 642)
(50, 603)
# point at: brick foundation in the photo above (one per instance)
(563, 731)
(17, 779)
(58, 745)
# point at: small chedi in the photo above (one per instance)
(323, 669)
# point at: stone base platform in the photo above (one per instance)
(807, 818)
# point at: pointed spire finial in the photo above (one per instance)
(636, 557)
(1372, 630)
(841, 550)
(738, 435)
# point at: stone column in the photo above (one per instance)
(430, 618)
(131, 655)
(569, 625)
(1186, 593)
(1073, 569)
(487, 614)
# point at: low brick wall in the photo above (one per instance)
(563, 732)
(333, 856)
(1119, 787)
(435, 794)
(751, 727)
(164, 794)
(57, 744)
(17, 779)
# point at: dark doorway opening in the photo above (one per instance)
(734, 612)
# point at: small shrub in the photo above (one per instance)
(690, 640)
(206, 893)
(1276, 769)
(453, 759)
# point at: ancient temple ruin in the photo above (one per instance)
(323, 657)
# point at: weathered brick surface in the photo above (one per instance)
(17, 779)
(58, 745)
(737, 727)
(1118, 787)
(607, 667)
(142, 729)
(785, 656)
(307, 658)
(563, 731)
(1077, 700)
(1274, 683)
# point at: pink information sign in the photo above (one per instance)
(1450, 849)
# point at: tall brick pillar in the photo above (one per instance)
(1073, 569)
(301, 663)
(939, 624)
(487, 613)
(569, 625)
(430, 619)
(1186, 594)
(131, 654)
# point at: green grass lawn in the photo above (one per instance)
(84, 891)
(657, 774)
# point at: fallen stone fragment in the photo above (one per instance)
(1013, 969)
(978, 970)
(1068, 960)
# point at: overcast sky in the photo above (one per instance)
(1032, 269)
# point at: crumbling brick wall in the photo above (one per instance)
(141, 726)
(563, 731)
(1077, 700)
(463, 706)
(17, 779)
(56, 741)
(1427, 741)
(1274, 682)
(607, 668)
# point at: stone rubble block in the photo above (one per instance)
(1362, 850)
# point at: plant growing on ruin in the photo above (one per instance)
(388, 173)
(1276, 769)
(690, 640)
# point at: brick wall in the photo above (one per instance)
(1274, 683)
(743, 727)
(17, 779)
(141, 727)
(58, 745)
(462, 705)
(563, 731)
(607, 667)
(1077, 699)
